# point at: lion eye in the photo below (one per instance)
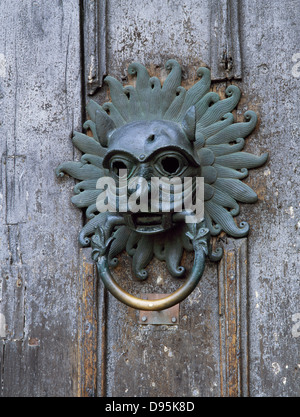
(171, 164)
(119, 166)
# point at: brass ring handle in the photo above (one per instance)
(201, 250)
(153, 305)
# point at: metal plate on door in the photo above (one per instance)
(169, 316)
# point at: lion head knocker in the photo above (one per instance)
(168, 133)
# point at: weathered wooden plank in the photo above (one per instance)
(2, 324)
(17, 357)
(16, 188)
(13, 369)
(225, 49)
(87, 335)
(94, 35)
(14, 249)
(233, 303)
(102, 304)
(12, 298)
(1, 363)
(269, 39)
(153, 32)
(4, 238)
(40, 104)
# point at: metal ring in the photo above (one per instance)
(153, 305)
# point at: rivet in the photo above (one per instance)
(144, 318)
(142, 157)
(174, 319)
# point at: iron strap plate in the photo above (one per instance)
(169, 316)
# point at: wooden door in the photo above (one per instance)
(61, 333)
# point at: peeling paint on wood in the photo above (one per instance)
(12, 303)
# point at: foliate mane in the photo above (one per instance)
(218, 140)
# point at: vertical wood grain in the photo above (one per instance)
(94, 36)
(233, 322)
(225, 48)
(40, 106)
(16, 189)
(87, 335)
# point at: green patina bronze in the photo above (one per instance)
(139, 130)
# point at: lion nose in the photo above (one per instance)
(142, 180)
(141, 185)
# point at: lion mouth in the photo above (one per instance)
(147, 219)
(149, 223)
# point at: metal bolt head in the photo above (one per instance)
(144, 318)
(174, 320)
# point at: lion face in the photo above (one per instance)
(149, 161)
